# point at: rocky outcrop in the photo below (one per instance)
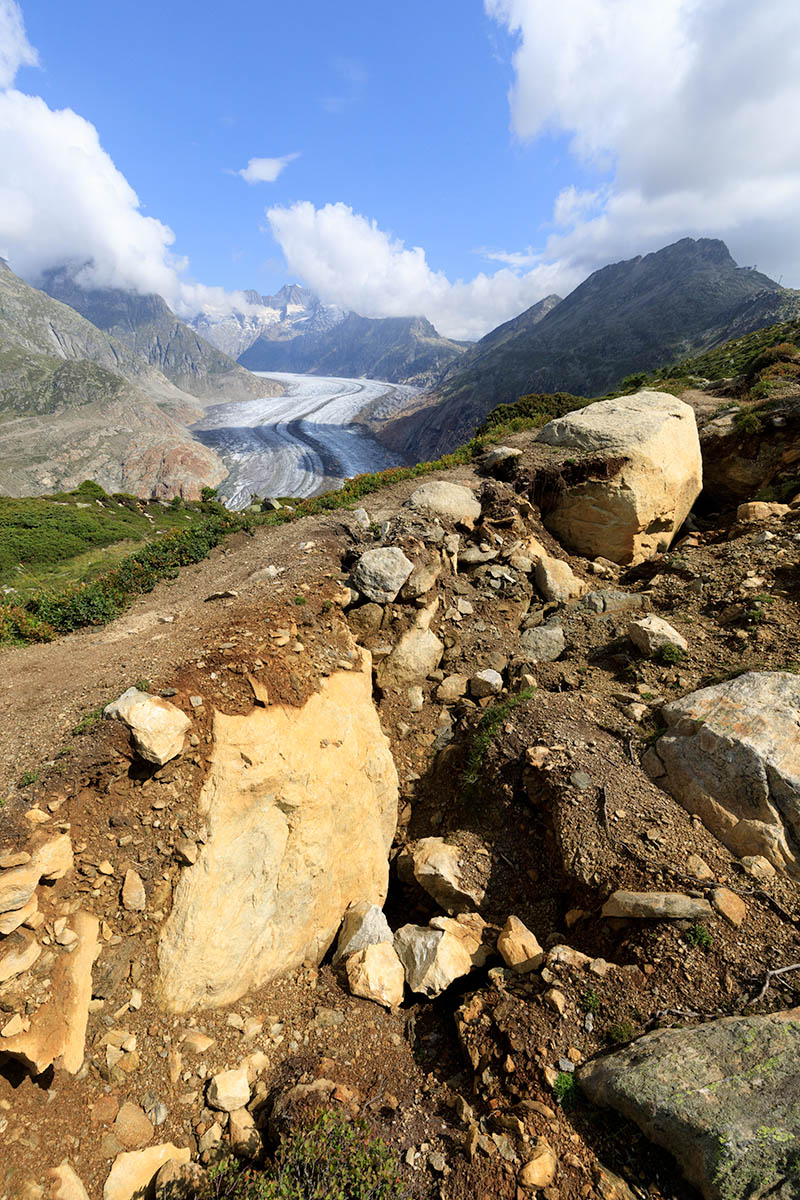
(157, 727)
(722, 1098)
(635, 513)
(730, 755)
(301, 811)
(450, 501)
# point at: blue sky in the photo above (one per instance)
(429, 137)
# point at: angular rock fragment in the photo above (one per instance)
(445, 871)
(379, 574)
(519, 948)
(157, 727)
(448, 500)
(651, 634)
(376, 973)
(656, 906)
(363, 925)
(133, 1171)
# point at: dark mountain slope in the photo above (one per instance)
(630, 316)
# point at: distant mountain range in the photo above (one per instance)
(77, 402)
(631, 316)
(294, 331)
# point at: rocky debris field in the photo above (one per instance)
(422, 815)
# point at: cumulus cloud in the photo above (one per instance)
(686, 106)
(63, 202)
(348, 260)
(15, 49)
(265, 170)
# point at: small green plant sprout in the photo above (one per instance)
(27, 778)
(300, 601)
(698, 936)
(142, 685)
(672, 654)
(565, 1090)
(590, 1001)
(621, 1031)
(88, 721)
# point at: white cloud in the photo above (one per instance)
(265, 170)
(688, 105)
(15, 49)
(350, 261)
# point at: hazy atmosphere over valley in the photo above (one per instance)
(400, 600)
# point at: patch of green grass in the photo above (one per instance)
(671, 653)
(590, 1001)
(329, 1159)
(565, 1090)
(27, 778)
(485, 733)
(699, 937)
(300, 601)
(142, 685)
(88, 721)
(621, 1031)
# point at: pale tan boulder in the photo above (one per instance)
(760, 510)
(157, 727)
(652, 634)
(57, 1032)
(452, 501)
(65, 1183)
(301, 809)
(540, 1169)
(446, 872)
(731, 755)
(650, 441)
(134, 898)
(518, 947)
(434, 956)
(12, 920)
(376, 973)
(134, 1170)
(244, 1137)
(229, 1090)
(418, 652)
(556, 580)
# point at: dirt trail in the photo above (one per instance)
(46, 689)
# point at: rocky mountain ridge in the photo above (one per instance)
(291, 312)
(627, 317)
(584, 758)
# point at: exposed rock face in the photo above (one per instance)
(731, 755)
(722, 1098)
(635, 514)
(544, 644)
(157, 727)
(301, 811)
(363, 925)
(519, 948)
(58, 1029)
(418, 652)
(651, 634)
(449, 500)
(435, 956)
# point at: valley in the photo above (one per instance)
(302, 442)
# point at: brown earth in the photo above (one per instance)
(561, 836)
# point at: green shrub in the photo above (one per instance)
(621, 1031)
(565, 1090)
(670, 653)
(329, 1159)
(697, 935)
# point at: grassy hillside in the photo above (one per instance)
(50, 541)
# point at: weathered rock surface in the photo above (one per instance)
(52, 860)
(379, 574)
(486, 683)
(65, 1183)
(731, 755)
(301, 807)
(435, 956)
(57, 1032)
(418, 652)
(134, 1170)
(449, 500)
(659, 906)
(635, 513)
(556, 580)
(518, 947)
(544, 644)
(444, 872)
(157, 727)
(722, 1098)
(376, 973)
(651, 634)
(229, 1090)
(18, 952)
(363, 925)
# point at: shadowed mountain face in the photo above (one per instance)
(76, 403)
(398, 349)
(630, 316)
(152, 331)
